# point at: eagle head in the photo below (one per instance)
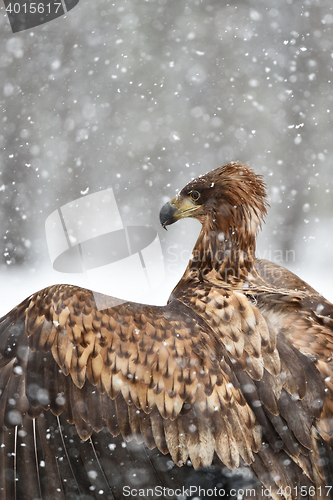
(232, 195)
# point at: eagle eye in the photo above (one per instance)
(194, 195)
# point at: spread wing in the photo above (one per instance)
(156, 373)
(205, 374)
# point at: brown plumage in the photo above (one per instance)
(235, 370)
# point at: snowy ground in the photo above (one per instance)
(17, 283)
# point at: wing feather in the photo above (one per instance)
(157, 427)
(176, 441)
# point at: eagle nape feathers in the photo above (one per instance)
(234, 374)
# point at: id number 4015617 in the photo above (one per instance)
(303, 491)
(33, 7)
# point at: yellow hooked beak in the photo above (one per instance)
(177, 208)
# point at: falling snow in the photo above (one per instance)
(142, 97)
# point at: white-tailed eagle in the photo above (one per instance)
(236, 370)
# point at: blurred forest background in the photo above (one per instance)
(143, 95)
